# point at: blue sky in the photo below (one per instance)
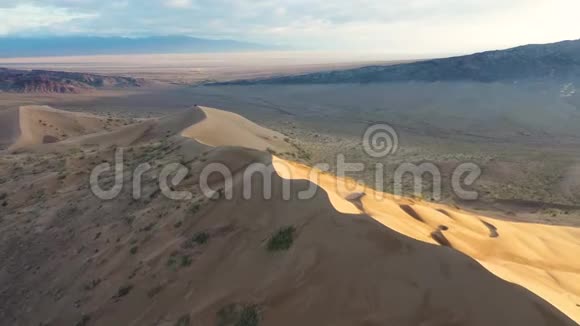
(394, 26)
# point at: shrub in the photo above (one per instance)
(198, 239)
(123, 291)
(93, 284)
(184, 320)
(282, 240)
(186, 261)
(172, 262)
(201, 238)
(195, 208)
(238, 315)
(134, 250)
(248, 317)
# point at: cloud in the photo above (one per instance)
(178, 3)
(23, 18)
(395, 26)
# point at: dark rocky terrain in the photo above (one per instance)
(556, 61)
(42, 81)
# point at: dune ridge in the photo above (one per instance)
(541, 258)
(359, 257)
(538, 257)
(33, 125)
(223, 128)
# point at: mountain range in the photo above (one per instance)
(557, 61)
(42, 81)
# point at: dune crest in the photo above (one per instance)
(130, 261)
(538, 257)
(541, 258)
(223, 128)
(38, 125)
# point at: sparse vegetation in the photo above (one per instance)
(184, 320)
(172, 262)
(271, 151)
(123, 291)
(154, 291)
(186, 261)
(93, 284)
(198, 239)
(282, 240)
(238, 315)
(149, 227)
(175, 260)
(193, 209)
(134, 250)
(85, 319)
(201, 238)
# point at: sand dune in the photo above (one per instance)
(541, 258)
(357, 258)
(147, 130)
(342, 270)
(222, 128)
(33, 125)
(39, 126)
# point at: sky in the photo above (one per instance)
(414, 27)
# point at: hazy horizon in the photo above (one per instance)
(418, 28)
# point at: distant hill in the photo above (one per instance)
(62, 46)
(42, 81)
(554, 61)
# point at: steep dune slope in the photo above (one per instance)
(138, 262)
(341, 270)
(72, 258)
(540, 258)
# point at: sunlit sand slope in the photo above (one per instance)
(222, 128)
(543, 259)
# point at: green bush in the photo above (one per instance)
(282, 240)
(201, 238)
(238, 315)
(186, 261)
(195, 208)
